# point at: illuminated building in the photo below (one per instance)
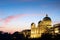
(57, 28)
(33, 31)
(47, 21)
(42, 27)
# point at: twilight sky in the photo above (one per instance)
(17, 15)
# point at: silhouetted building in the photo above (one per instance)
(26, 33)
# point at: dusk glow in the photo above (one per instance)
(17, 15)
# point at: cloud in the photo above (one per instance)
(9, 23)
(10, 18)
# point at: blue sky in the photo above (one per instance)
(11, 7)
(28, 11)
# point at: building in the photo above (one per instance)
(42, 27)
(56, 28)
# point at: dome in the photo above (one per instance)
(46, 18)
(32, 23)
(39, 22)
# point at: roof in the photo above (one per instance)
(46, 18)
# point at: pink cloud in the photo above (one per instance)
(10, 18)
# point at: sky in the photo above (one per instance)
(17, 15)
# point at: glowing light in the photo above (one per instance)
(57, 31)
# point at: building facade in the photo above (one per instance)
(42, 27)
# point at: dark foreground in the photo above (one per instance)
(18, 36)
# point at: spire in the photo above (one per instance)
(46, 15)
